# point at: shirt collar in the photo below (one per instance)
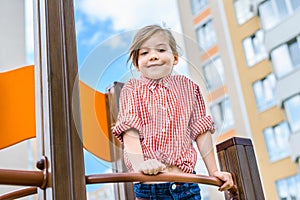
(152, 84)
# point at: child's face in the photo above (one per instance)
(156, 59)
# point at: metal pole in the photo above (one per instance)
(19, 177)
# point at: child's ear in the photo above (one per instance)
(175, 60)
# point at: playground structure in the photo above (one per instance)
(61, 170)
(236, 155)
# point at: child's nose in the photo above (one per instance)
(153, 56)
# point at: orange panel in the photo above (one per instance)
(17, 106)
(94, 122)
(17, 112)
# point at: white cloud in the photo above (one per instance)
(119, 41)
(126, 17)
(79, 25)
(129, 15)
(93, 40)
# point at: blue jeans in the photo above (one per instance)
(167, 191)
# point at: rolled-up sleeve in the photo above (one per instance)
(200, 122)
(128, 116)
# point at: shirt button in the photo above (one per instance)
(163, 130)
(173, 186)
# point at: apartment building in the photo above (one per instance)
(249, 54)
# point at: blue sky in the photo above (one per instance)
(104, 30)
(107, 27)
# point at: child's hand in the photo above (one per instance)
(151, 167)
(226, 177)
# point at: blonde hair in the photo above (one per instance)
(144, 34)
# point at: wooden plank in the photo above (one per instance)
(233, 141)
(122, 190)
(257, 186)
(56, 61)
(234, 167)
(222, 160)
(245, 172)
(237, 154)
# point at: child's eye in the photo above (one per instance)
(161, 50)
(143, 53)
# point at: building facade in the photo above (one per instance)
(254, 47)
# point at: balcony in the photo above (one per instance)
(279, 34)
(287, 86)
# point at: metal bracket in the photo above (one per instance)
(42, 164)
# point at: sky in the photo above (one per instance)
(104, 30)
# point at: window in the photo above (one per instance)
(264, 91)
(222, 115)
(267, 15)
(214, 74)
(288, 188)
(294, 51)
(281, 8)
(243, 10)
(273, 11)
(254, 48)
(198, 5)
(286, 57)
(206, 35)
(292, 109)
(277, 141)
(281, 61)
(295, 4)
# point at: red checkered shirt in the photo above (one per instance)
(168, 114)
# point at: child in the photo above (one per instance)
(160, 115)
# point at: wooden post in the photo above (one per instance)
(56, 71)
(236, 155)
(122, 190)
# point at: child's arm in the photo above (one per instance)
(135, 154)
(205, 146)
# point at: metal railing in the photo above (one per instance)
(38, 179)
(236, 155)
(23, 192)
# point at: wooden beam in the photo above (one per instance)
(122, 191)
(236, 155)
(57, 100)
